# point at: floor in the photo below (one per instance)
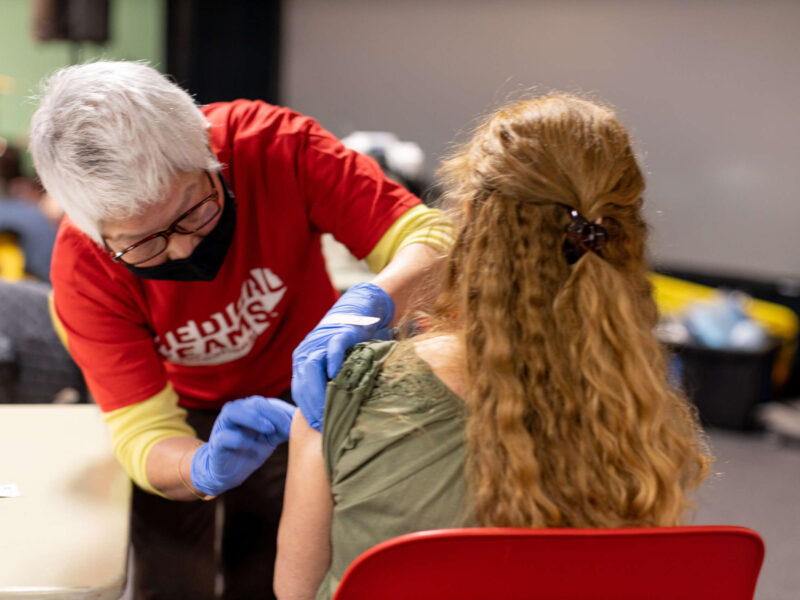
(757, 485)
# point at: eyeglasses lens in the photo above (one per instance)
(146, 251)
(198, 218)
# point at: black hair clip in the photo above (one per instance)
(582, 236)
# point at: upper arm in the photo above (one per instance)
(347, 192)
(104, 329)
(304, 533)
(117, 356)
(418, 225)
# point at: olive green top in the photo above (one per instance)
(393, 441)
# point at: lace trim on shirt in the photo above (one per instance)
(406, 374)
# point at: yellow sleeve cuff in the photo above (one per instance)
(418, 225)
(137, 428)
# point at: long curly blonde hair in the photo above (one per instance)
(571, 420)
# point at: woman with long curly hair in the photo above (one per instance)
(537, 396)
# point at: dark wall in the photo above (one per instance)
(225, 50)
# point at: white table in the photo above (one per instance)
(66, 535)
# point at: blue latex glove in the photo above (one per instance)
(244, 435)
(362, 313)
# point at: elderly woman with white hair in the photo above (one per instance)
(187, 271)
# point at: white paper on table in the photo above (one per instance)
(9, 490)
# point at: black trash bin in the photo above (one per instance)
(726, 385)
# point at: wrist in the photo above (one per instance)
(379, 302)
(187, 472)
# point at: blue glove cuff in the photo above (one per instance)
(200, 466)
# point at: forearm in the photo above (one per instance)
(409, 256)
(412, 278)
(146, 437)
(169, 467)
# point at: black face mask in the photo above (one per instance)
(205, 261)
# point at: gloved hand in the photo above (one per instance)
(362, 313)
(245, 433)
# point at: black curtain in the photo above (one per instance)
(225, 50)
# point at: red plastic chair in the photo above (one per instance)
(656, 563)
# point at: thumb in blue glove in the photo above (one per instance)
(362, 313)
(244, 435)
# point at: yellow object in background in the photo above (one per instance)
(7, 84)
(12, 260)
(673, 296)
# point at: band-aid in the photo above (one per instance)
(349, 320)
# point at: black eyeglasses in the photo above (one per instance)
(192, 221)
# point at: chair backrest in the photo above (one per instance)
(559, 564)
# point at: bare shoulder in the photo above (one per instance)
(437, 344)
(444, 356)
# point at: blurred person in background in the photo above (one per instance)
(186, 272)
(538, 397)
(34, 366)
(25, 230)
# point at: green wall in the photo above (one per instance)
(136, 32)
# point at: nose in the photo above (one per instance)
(181, 246)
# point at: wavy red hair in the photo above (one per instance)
(571, 420)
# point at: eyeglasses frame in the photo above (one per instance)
(172, 229)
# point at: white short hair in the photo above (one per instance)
(109, 137)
